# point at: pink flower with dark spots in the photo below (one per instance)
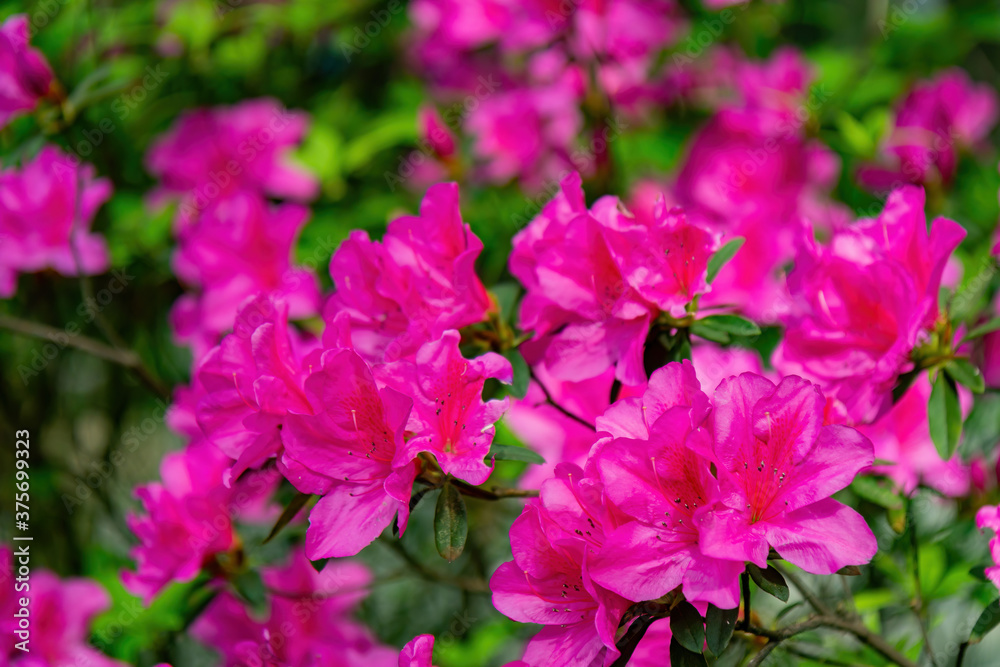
(350, 451)
(778, 465)
(449, 418)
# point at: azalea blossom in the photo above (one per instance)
(653, 471)
(46, 212)
(864, 301)
(592, 293)
(778, 465)
(417, 652)
(351, 452)
(251, 381)
(61, 612)
(416, 284)
(308, 623)
(211, 154)
(25, 75)
(449, 418)
(549, 582)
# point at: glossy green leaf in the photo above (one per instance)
(944, 416)
(451, 523)
(770, 581)
(721, 257)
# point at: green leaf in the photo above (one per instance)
(855, 135)
(770, 581)
(709, 332)
(873, 491)
(944, 416)
(451, 523)
(731, 324)
(719, 626)
(514, 453)
(965, 373)
(688, 627)
(850, 571)
(293, 507)
(519, 387)
(983, 329)
(681, 657)
(721, 256)
(319, 564)
(251, 588)
(505, 294)
(987, 621)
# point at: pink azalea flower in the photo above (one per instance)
(308, 624)
(714, 364)
(864, 301)
(932, 122)
(596, 279)
(416, 284)
(990, 364)
(777, 466)
(61, 614)
(652, 472)
(189, 517)
(46, 211)
(449, 418)
(25, 75)
(549, 582)
(351, 451)
(556, 437)
(210, 154)
(250, 382)
(989, 517)
(903, 437)
(528, 133)
(240, 248)
(417, 652)
(741, 178)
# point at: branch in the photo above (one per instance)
(859, 630)
(468, 584)
(549, 399)
(493, 493)
(126, 358)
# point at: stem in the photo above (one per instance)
(745, 587)
(918, 601)
(463, 583)
(126, 358)
(494, 493)
(549, 399)
(859, 630)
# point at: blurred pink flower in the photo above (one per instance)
(417, 652)
(210, 154)
(25, 75)
(45, 216)
(933, 121)
(308, 623)
(187, 520)
(989, 517)
(903, 437)
(240, 247)
(61, 611)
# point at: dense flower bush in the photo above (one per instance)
(724, 392)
